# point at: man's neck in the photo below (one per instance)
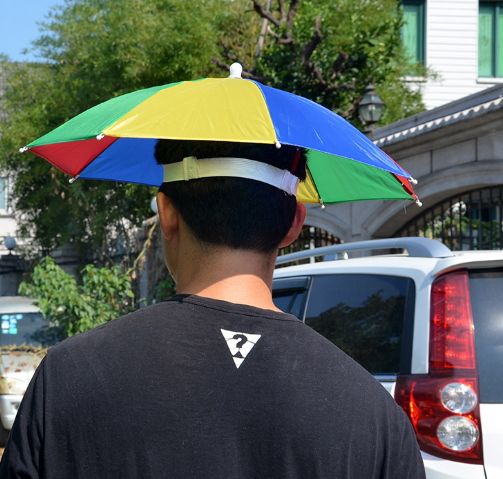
(237, 276)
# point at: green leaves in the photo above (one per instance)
(90, 51)
(334, 49)
(70, 307)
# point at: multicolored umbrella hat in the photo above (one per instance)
(115, 140)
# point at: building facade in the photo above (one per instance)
(456, 153)
(459, 41)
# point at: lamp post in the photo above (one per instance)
(370, 109)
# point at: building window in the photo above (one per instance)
(3, 193)
(491, 39)
(413, 30)
(472, 220)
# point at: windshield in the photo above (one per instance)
(486, 288)
(21, 328)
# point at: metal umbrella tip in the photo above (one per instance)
(419, 203)
(235, 70)
(413, 180)
(23, 149)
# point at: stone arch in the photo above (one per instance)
(329, 221)
(386, 219)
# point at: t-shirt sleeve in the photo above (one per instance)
(22, 455)
(405, 460)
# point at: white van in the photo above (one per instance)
(20, 354)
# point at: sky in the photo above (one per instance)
(18, 25)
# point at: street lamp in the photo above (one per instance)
(10, 243)
(370, 108)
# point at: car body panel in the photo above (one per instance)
(9, 404)
(491, 416)
(437, 468)
(17, 369)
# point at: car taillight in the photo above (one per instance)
(443, 405)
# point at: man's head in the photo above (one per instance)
(229, 212)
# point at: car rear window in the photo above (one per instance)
(364, 315)
(21, 328)
(486, 292)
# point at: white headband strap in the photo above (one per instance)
(192, 168)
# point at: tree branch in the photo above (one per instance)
(309, 48)
(292, 11)
(271, 32)
(282, 11)
(258, 7)
(313, 42)
(338, 64)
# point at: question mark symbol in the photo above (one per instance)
(241, 340)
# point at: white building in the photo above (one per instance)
(460, 41)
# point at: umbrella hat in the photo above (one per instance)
(115, 140)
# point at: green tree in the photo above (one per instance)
(330, 50)
(70, 307)
(92, 50)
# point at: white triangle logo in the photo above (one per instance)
(240, 344)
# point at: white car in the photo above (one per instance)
(20, 354)
(428, 325)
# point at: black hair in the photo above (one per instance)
(237, 213)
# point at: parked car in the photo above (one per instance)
(20, 354)
(428, 325)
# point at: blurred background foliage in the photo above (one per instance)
(72, 306)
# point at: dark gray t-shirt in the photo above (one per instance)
(200, 388)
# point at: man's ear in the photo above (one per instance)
(296, 228)
(168, 216)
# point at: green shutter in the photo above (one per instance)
(491, 39)
(413, 30)
(410, 32)
(499, 41)
(486, 40)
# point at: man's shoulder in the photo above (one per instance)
(342, 373)
(128, 327)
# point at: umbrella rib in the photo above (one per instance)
(316, 188)
(74, 178)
